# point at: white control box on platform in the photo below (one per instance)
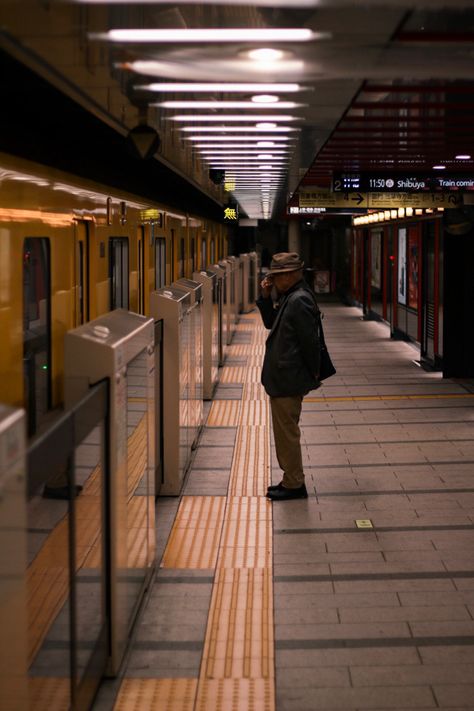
(172, 306)
(13, 561)
(195, 405)
(210, 330)
(120, 346)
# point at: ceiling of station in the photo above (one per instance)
(374, 85)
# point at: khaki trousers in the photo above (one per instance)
(286, 413)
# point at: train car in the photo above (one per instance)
(70, 251)
(397, 275)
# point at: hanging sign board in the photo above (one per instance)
(320, 199)
(401, 182)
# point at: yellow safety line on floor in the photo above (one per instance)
(233, 374)
(356, 398)
(194, 539)
(156, 695)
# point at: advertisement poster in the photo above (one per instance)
(402, 266)
(413, 271)
(376, 255)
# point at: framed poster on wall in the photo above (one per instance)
(376, 258)
(413, 270)
(402, 266)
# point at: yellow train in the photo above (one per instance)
(71, 250)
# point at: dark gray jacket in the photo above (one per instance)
(291, 364)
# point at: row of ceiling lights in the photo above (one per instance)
(253, 149)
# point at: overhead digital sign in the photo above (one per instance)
(401, 182)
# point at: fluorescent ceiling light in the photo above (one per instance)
(231, 117)
(230, 149)
(249, 140)
(439, 167)
(266, 54)
(255, 152)
(247, 129)
(223, 105)
(463, 156)
(256, 3)
(265, 99)
(212, 34)
(265, 125)
(218, 87)
(265, 144)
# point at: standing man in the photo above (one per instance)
(291, 364)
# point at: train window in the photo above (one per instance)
(203, 254)
(160, 262)
(213, 254)
(182, 255)
(118, 272)
(36, 330)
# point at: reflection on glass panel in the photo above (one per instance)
(49, 599)
(89, 578)
(56, 648)
(36, 330)
(140, 467)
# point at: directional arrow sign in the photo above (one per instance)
(378, 201)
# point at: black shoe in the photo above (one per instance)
(283, 493)
(275, 487)
(60, 492)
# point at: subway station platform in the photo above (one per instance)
(360, 597)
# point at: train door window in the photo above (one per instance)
(160, 262)
(203, 254)
(173, 253)
(193, 256)
(82, 273)
(118, 272)
(36, 330)
(413, 268)
(213, 254)
(402, 266)
(182, 255)
(141, 269)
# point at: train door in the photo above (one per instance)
(182, 258)
(141, 269)
(82, 273)
(118, 272)
(429, 293)
(160, 262)
(36, 330)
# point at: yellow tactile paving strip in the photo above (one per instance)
(233, 374)
(49, 693)
(239, 643)
(194, 540)
(156, 695)
(251, 463)
(237, 671)
(224, 413)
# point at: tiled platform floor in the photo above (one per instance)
(378, 618)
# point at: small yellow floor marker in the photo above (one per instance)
(364, 523)
(156, 695)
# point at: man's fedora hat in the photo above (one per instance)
(285, 262)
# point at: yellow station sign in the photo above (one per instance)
(321, 198)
